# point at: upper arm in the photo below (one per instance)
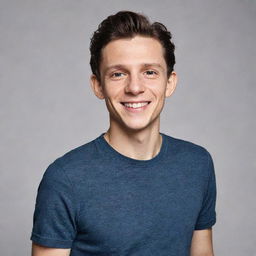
(207, 215)
(54, 222)
(38, 250)
(202, 243)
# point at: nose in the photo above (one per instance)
(134, 85)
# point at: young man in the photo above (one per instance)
(132, 190)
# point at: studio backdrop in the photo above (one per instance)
(48, 108)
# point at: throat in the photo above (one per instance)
(135, 147)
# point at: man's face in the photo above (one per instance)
(134, 82)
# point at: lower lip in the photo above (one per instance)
(136, 110)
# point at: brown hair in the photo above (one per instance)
(126, 24)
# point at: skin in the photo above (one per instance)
(201, 244)
(134, 70)
(38, 250)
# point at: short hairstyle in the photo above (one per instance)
(127, 24)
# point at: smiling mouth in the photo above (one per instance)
(135, 105)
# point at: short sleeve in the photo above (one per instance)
(207, 215)
(55, 214)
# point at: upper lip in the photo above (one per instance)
(137, 101)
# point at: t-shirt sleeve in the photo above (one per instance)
(207, 215)
(54, 222)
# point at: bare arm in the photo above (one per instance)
(202, 243)
(38, 250)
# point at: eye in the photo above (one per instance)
(150, 73)
(117, 75)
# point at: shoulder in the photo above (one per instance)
(75, 161)
(187, 150)
(191, 158)
(82, 154)
(182, 145)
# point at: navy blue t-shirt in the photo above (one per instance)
(97, 201)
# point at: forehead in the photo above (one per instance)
(133, 51)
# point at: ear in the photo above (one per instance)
(171, 84)
(97, 87)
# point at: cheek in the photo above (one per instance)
(113, 91)
(158, 89)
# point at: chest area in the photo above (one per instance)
(132, 204)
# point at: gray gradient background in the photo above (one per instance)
(48, 108)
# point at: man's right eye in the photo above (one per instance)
(117, 75)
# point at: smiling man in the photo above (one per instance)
(133, 190)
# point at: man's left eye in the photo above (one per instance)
(150, 72)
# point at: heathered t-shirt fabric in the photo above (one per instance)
(97, 201)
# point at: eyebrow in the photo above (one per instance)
(146, 65)
(118, 66)
(153, 65)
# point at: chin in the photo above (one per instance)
(136, 127)
(135, 124)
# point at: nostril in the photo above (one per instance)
(134, 89)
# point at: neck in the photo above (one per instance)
(141, 145)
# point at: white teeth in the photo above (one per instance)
(135, 105)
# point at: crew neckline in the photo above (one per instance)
(109, 152)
